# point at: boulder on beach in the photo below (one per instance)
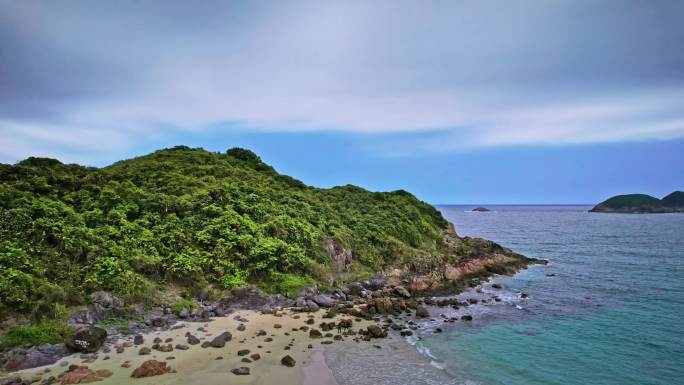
(323, 300)
(241, 371)
(376, 331)
(422, 312)
(151, 368)
(402, 292)
(82, 375)
(192, 340)
(86, 340)
(138, 339)
(288, 361)
(220, 340)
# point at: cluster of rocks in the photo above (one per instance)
(375, 300)
(74, 374)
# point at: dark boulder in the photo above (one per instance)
(241, 371)
(138, 339)
(422, 312)
(220, 340)
(192, 340)
(354, 288)
(87, 340)
(323, 300)
(288, 361)
(374, 284)
(376, 331)
(402, 292)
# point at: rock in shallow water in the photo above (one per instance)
(422, 312)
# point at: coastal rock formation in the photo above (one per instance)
(481, 209)
(25, 358)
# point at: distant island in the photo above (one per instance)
(481, 209)
(642, 203)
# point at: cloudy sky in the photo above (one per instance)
(457, 101)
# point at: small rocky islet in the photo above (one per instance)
(642, 204)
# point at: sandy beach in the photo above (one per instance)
(208, 366)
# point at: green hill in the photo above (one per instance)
(642, 203)
(676, 199)
(189, 217)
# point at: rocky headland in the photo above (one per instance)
(196, 266)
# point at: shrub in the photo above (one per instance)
(45, 332)
(183, 304)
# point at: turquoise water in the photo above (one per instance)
(612, 314)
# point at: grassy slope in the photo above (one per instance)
(189, 217)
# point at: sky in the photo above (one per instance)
(563, 101)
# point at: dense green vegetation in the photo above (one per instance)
(675, 199)
(44, 332)
(188, 217)
(642, 203)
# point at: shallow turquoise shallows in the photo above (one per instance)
(608, 309)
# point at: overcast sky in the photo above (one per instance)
(458, 101)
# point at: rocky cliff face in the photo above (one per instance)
(463, 259)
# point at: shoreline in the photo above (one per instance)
(210, 365)
(276, 333)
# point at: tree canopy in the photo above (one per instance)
(188, 217)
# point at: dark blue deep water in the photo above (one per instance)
(612, 313)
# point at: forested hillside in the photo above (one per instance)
(189, 217)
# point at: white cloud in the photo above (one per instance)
(481, 74)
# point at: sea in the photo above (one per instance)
(608, 309)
